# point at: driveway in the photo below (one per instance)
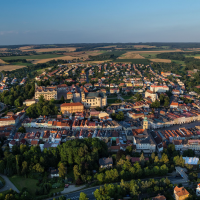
(9, 185)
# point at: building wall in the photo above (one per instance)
(47, 95)
(72, 109)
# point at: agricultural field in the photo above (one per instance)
(3, 49)
(134, 61)
(2, 62)
(143, 46)
(10, 67)
(40, 56)
(131, 55)
(67, 49)
(161, 60)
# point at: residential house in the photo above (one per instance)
(106, 162)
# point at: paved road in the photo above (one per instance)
(8, 185)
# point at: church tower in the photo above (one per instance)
(145, 123)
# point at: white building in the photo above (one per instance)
(159, 88)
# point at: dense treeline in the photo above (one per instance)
(17, 60)
(191, 62)
(134, 188)
(81, 155)
(103, 57)
(17, 94)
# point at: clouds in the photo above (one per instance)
(8, 32)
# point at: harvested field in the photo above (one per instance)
(197, 57)
(161, 60)
(3, 49)
(131, 55)
(25, 47)
(10, 67)
(69, 49)
(1, 61)
(67, 56)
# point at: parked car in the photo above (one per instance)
(66, 185)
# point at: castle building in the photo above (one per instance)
(49, 92)
(93, 99)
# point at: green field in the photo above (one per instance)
(41, 56)
(21, 182)
(179, 62)
(20, 63)
(134, 61)
(149, 55)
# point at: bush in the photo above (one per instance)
(56, 185)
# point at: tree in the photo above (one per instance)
(76, 172)
(156, 160)
(21, 129)
(120, 154)
(83, 196)
(38, 168)
(62, 170)
(100, 177)
(164, 158)
(62, 99)
(24, 168)
(41, 99)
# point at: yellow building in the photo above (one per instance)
(180, 193)
(69, 95)
(71, 107)
(129, 84)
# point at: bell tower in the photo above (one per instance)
(145, 123)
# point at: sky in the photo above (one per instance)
(98, 21)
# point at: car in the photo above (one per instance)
(66, 185)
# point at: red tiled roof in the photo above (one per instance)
(71, 104)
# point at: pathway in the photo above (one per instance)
(9, 185)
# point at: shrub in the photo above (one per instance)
(56, 185)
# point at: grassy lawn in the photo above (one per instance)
(21, 182)
(111, 100)
(41, 56)
(126, 97)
